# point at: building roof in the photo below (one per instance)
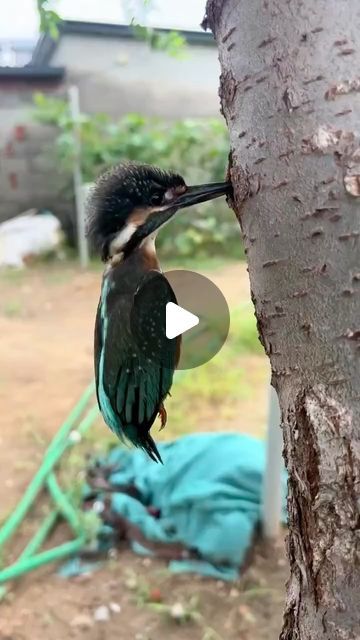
(32, 73)
(22, 70)
(46, 45)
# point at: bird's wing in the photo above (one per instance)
(133, 378)
(149, 320)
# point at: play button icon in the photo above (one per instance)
(178, 320)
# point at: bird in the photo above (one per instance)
(134, 361)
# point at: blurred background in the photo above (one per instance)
(114, 80)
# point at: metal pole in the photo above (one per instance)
(272, 489)
(74, 103)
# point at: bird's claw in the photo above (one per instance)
(163, 416)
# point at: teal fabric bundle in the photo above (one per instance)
(208, 493)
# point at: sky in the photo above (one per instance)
(18, 19)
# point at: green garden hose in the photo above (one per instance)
(52, 456)
(27, 561)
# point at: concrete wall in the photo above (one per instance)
(28, 175)
(114, 76)
(117, 76)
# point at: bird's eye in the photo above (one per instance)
(156, 198)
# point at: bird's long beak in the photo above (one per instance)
(202, 193)
(192, 195)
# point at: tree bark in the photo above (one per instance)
(290, 93)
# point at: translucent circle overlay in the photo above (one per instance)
(195, 293)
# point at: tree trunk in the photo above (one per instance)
(290, 93)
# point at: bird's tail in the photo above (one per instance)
(147, 443)
(140, 437)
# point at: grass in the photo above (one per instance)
(194, 263)
(218, 387)
(178, 612)
(243, 336)
(58, 277)
(12, 309)
(202, 263)
(12, 275)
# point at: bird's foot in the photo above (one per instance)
(163, 416)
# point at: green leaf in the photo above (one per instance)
(172, 42)
(195, 148)
(49, 19)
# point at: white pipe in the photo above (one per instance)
(272, 489)
(74, 104)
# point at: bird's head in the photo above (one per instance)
(131, 202)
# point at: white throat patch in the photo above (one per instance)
(122, 238)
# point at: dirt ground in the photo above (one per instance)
(46, 325)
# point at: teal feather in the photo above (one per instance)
(142, 400)
(129, 404)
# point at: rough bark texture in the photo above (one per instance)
(290, 92)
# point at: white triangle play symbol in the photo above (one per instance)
(178, 320)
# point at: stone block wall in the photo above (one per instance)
(29, 176)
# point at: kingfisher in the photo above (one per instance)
(134, 360)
